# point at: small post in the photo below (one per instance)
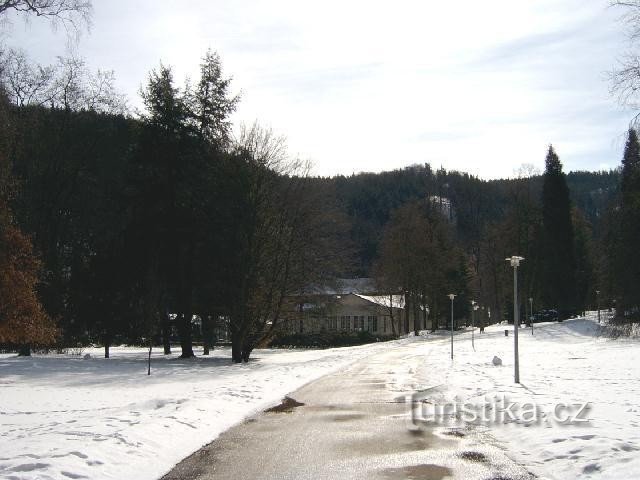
(598, 301)
(149, 361)
(473, 307)
(451, 297)
(531, 313)
(473, 326)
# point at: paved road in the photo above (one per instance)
(354, 424)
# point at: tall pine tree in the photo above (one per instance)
(557, 243)
(627, 263)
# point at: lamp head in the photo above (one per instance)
(515, 260)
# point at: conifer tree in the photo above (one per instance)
(557, 242)
(211, 104)
(627, 263)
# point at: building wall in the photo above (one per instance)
(350, 314)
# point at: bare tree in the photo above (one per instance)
(26, 83)
(69, 84)
(625, 80)
(73, 15)
(286, 239)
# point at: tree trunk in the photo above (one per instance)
(206, 333)
(24, 350)
(416, 317)
(106, 340)
(236, 347)
(246, 352)
(407, 308)
(166, 333)
(184, 330)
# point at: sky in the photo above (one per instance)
(480, 87)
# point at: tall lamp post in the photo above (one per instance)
(598, 301)
(515, 263)
(451, 297)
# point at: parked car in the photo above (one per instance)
(545, 316)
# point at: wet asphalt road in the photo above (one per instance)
(354, 424)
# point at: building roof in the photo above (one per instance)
(344, 286)
(396, 301)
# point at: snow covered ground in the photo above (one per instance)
(562, 363)
(66, 417)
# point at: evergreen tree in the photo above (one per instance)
(585, 270)
(161, 217)
(627, 262)
(211, 103)
(557, 242)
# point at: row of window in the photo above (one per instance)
(356, 323)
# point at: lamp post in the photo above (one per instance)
(598, 301)
(531, 313)
(515, 263)
(451, 297)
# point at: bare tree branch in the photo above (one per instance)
(74, 15)
(68, 84)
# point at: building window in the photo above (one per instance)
(344, 323)
(372, 323)
(332, 323)
(384, 325)
(301, 326)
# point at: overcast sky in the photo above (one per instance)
(355, 86)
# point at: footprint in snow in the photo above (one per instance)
(72, 475)
(29, 467)
(591, 468)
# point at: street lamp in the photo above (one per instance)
(515, 263)
(598, 300)
(451, 297)
(531, 317)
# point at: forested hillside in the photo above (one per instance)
(369, 198)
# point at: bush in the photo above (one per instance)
(324, 340)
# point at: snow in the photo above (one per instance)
(64, 416)
(566, 362)
(395, 301)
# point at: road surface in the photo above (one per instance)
(353, 424)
